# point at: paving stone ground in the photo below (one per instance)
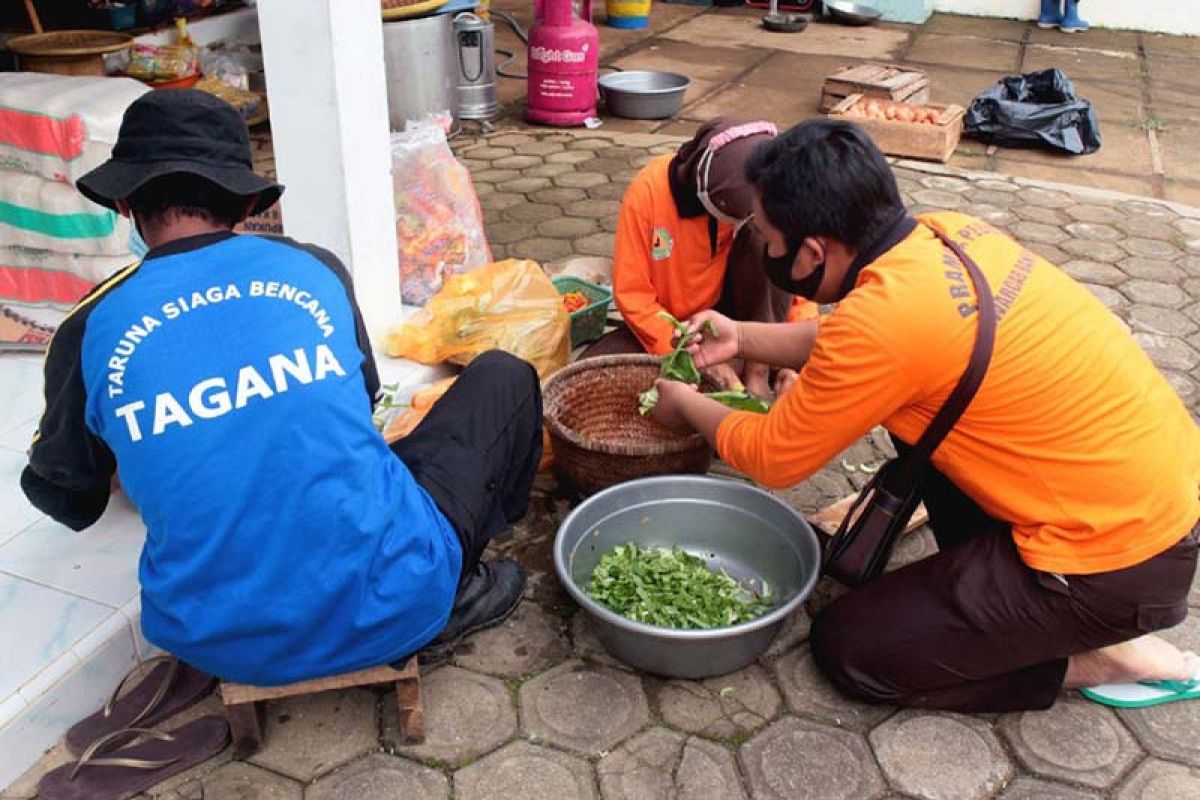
(536, 709)
(1143, 87)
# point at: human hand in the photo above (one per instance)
(672, 397)
(716, 339)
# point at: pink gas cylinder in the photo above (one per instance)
(564, 52)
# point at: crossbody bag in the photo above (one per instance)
(863, 543)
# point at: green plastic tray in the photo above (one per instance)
(587, 324)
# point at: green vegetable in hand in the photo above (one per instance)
(673, 589)
(740, 401)
(679, 366)
(647, 400)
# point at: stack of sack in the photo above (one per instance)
(55, 244)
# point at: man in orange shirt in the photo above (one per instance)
(681, 247)
(1065, 499)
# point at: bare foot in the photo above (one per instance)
(785, 380)
(757, 378)
(1147, 658)
(759, 388)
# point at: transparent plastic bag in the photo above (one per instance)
(166, 63)
(231, 64)
(439, 225)
(510, 305)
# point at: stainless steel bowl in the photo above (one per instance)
(732, 525)
(644, 94)
(850, 13)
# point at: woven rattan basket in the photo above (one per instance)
(404, 9)
(68, 52)
(599, 438)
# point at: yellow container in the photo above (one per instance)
(627, 14)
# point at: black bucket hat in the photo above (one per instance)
(171, 131)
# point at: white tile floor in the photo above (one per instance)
(69, 604)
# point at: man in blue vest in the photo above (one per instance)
(230, 381)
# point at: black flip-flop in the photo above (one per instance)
(169, 687)
(131, 770)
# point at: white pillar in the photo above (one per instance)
(329, 120)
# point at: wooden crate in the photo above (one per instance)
(881, 81)
(911, 139)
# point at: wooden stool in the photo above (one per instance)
(245, 714)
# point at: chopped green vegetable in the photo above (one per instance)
(647, 400)
(673, 589)
(741, 401)
(387, 402)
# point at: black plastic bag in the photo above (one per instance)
(1040, 108)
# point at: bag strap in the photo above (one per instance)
(972, 377)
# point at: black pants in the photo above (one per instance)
(477, 451)
(974, 629)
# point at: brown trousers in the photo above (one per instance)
(747, 295)
(974, 629)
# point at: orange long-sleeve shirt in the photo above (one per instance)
(665, 262)
(1074, 438)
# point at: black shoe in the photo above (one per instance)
(488, 597)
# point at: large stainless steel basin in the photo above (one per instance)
(732, 525)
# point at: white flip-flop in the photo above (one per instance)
(1144, 694)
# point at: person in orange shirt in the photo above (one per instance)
(682, 247)
(1064, 501)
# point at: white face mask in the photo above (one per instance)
(702, 190)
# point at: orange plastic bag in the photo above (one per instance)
(510, 305)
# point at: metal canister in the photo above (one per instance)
(474, 43)
(419, 58)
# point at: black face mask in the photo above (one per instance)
(779, 271)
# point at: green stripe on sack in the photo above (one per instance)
(60, 226)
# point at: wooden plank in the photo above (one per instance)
(237, 693)
(916, 94)
(845, 104)
(245, 728)
(883, 77)
(829, 519)
(859, 73)
(411, 711)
